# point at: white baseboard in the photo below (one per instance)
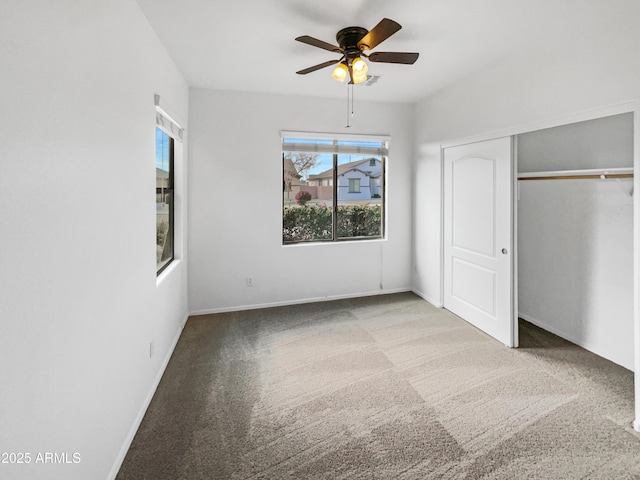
(581, 343)
(548, 328)
(284, 303)
(424, 296)
(143, 409)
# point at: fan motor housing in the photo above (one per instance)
(349, 37)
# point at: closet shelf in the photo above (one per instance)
(602, 173)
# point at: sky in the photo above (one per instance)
(162, 150)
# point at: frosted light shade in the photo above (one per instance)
(340, 72)
(359, 67)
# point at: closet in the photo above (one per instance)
(575, 233)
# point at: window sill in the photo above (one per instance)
(167, 271)
(338, 242)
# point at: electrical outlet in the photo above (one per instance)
(249, 281)
(151, 348)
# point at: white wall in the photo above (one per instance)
(235, 182)
(575, 237)
(78, 299)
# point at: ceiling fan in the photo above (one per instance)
(353, 42)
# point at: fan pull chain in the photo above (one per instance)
(351, 99)
(349, 104)
(348, 117)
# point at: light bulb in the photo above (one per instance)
(340, 72)
(359, 66)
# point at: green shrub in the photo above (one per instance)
(309, 223)
(359, 221)
(162, 229)
(304, 224)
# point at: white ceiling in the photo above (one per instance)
(249, 45)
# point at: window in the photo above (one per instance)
(168, 135)
(164, 199)
(333, 188)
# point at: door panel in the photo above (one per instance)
(478, 239)
(474, 285)
(473, 178)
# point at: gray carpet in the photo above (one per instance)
(384, 387)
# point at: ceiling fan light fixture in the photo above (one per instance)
(359, 77)
(359, 66)
(340, 72)
(353, 41)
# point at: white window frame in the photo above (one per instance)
(336, 148)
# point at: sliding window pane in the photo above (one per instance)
(307, 203)
(360, 196)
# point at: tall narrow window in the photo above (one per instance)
(333, 188)
(169, 134)
(164, 199)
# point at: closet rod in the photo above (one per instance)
(600, 173)
(604, 176)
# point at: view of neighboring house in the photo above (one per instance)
(162, 182)
(360, 180)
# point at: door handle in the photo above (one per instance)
(505, 251)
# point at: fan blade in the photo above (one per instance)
(317, 67)
(314, 42)
(378, 34)
(394, 57)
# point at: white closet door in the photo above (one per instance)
(478, 238)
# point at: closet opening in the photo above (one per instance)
(575, 242)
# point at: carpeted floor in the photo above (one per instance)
(384, 387)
